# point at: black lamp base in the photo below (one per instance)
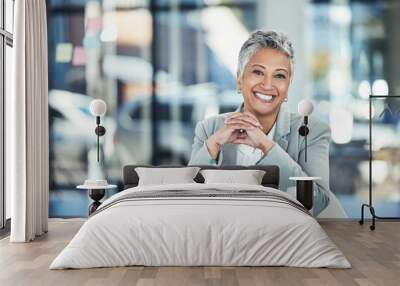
(96, 195)
(304, 193)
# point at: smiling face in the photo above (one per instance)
(265, 81)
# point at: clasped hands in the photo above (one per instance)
(239, 128)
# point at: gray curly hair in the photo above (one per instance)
(264, 39)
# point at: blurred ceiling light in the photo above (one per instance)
(360, 109)
(92, 9)
(225, 34)
(377, 62)
(372, 111)
(63, 52)
(112, 4)
(341, 122)
(91, 41)
(129, 69)
(364, 65)
(109, 34)
(211, 110)
(324, 106)
(337, 82)
(340, 14)
(93, 25)
(380, 87)
(365, 110)
(123, 21)
(79, 56)
(364, 89)
(212, 2)
(380, 169)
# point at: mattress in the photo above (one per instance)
(201, 225)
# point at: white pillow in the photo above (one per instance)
(164, 176)
(248, 177)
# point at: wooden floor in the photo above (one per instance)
(374, 255)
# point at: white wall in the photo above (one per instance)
(289, 16)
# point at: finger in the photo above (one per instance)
(238, 141)
(251, 115)
(237, 114)
(241, 123)
(245, 120)
(234, 114)
(242, 141)
(237, 126)
(244, 113)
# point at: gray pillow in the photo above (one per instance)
(248, 177)
(165, 176)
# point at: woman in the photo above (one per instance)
(262, 131)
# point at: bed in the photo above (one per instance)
(198, 224)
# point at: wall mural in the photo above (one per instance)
(179, 68)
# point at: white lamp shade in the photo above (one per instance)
(98, 107)
(305, 107)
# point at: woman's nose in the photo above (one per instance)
(267, 82)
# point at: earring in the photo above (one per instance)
(239, 91)
(286, 99)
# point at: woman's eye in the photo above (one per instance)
(258, 72)
(281, 76)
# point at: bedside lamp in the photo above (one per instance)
(304, 185)
(97, 187)
(305, 108)
(98, 108)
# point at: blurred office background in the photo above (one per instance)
(118, 50)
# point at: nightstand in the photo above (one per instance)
(96, 193)
(305, 190)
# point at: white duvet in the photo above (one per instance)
(200, 231)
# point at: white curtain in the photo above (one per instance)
(27, 122)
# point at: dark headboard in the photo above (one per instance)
(270, 179)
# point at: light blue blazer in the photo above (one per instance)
(287, 153)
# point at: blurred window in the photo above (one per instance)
(186, 113)
(54, 113)
(354, 53)
(160, 65)
(136, 113)
(164, 112)
(86, 111)
(6, 43)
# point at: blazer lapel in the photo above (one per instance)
(283, 142)
(282, 127)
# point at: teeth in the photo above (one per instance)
(264, 97)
